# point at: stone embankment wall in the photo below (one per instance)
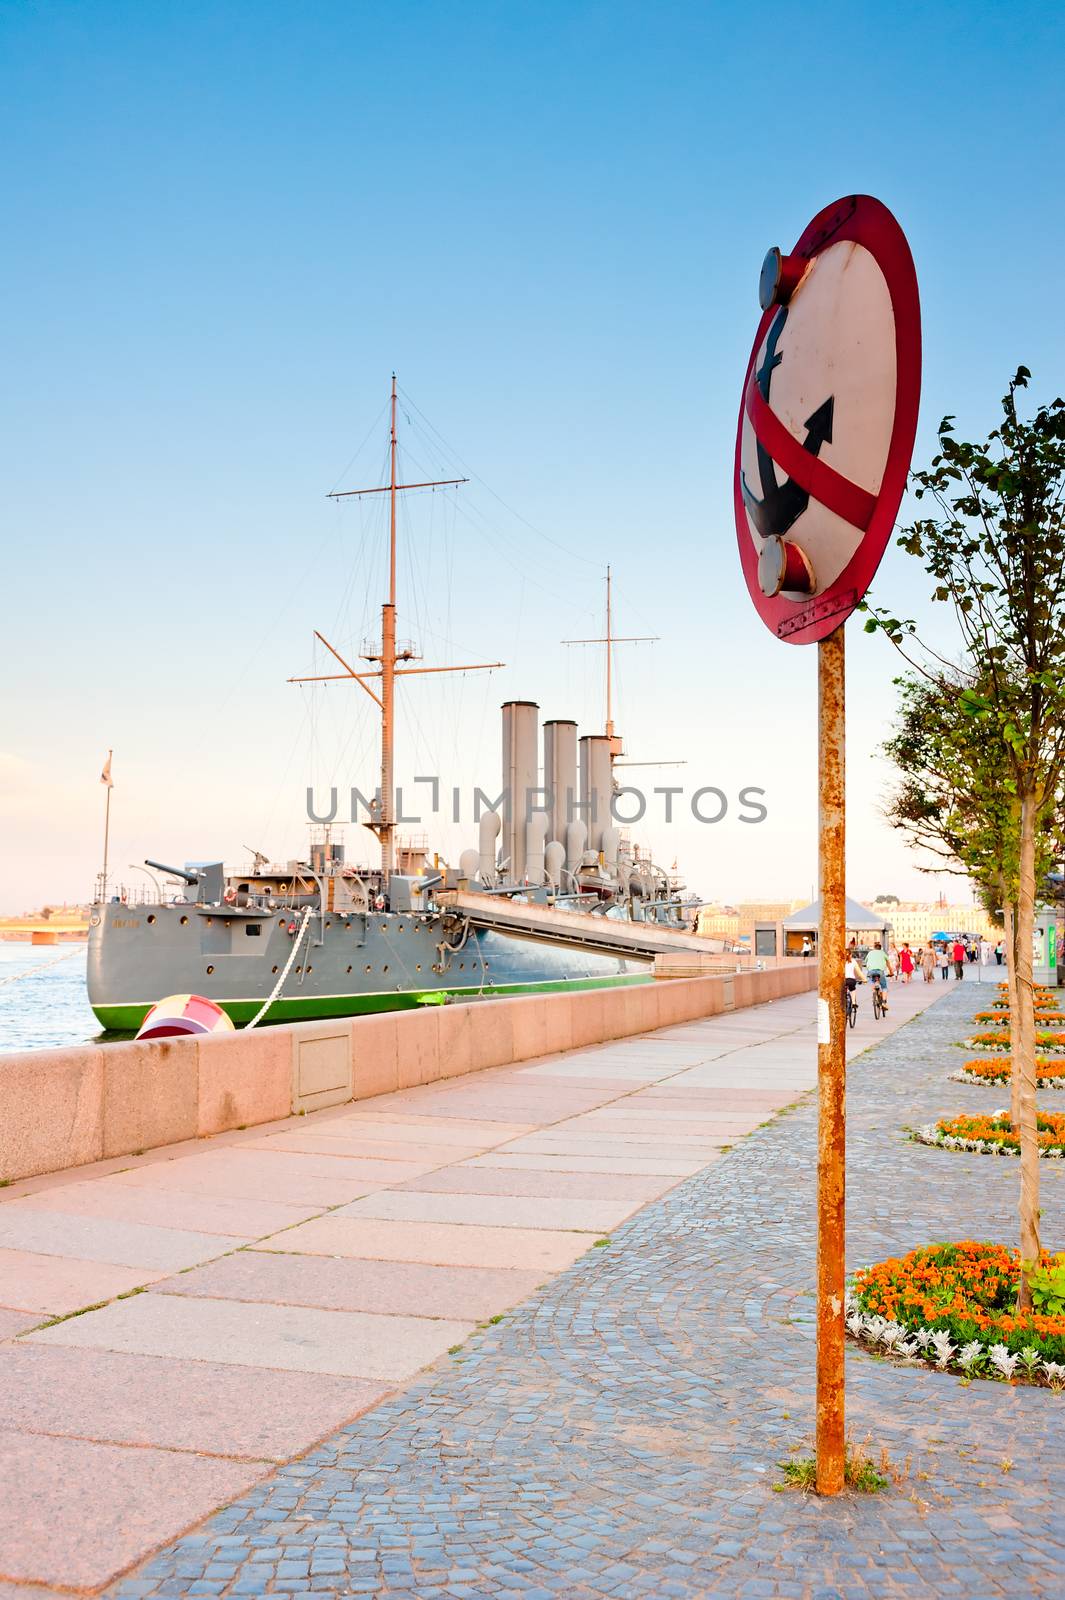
(65, 1108)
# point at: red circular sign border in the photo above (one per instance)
(867, 222)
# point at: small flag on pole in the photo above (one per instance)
(105, 776)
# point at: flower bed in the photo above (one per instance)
(994, 1134)
(998, 1040)
(1037, 988)
(996, 1070)
(954, 1307)
(1042, 1016)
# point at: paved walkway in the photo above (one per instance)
(296, 1276)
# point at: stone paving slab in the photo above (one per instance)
(695, 1150)
(25, 1591)
(392, 1288)
(434, 1243)
(102, 1239)
(496, 1211)
(618, 1434)
(508, 1105)
(510, 1180)
(167, 1208)
(172, 1403)
(332, 1140)
(350, 1344)
(306, 1180)
(625, 1164)
(105, 1505)
(54, 1286)
(13, 1322)
(377, 1169)
(601, 1071)
(392, 1122)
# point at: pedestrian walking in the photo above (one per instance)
(928, 962)
(959, 960)
(943, 960)
(1000, 951)
(906, 963)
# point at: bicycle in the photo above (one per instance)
(879, 1004)
(851, 1008)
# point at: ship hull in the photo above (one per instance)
(346, 966)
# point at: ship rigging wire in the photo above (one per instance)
(453, 455)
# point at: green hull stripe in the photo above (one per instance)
(122, 1018)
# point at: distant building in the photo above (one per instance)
(915, 921)
(718, 922)
(752, 911)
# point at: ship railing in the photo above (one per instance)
(128, 895)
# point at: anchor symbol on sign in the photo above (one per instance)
(782, 504)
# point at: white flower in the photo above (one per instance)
(1002, 1361)
(969, 1354)
(923, 1337)
(856, 1324)
(1029, 1359)
(943, 1347)
(890, 1334)
(1055, 1373)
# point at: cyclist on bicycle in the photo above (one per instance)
(876, 970)
(852, 977)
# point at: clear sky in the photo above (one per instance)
(226, 224)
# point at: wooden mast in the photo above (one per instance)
(384, 825)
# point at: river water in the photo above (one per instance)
(42, 996)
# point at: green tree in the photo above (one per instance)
(993, 542)
(953, 801)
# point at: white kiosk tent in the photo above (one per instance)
(786, 938)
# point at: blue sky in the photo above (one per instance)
(227, 224)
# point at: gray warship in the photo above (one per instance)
(553, 896)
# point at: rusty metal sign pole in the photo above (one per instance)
(840, 326)
(831, 1063)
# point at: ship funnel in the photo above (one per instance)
(520, 773)
(560, 775)
(535, 834)
(488, 833)
(597, 787)
(469, 864)
(554, 861)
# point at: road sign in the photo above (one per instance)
(827, 418)
(826, 430)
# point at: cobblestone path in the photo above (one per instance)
(618, 1434)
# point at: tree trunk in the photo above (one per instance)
(1009, 921)
(1025, 1057)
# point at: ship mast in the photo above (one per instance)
(610, 641)
(386, 818)
(384, 823)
